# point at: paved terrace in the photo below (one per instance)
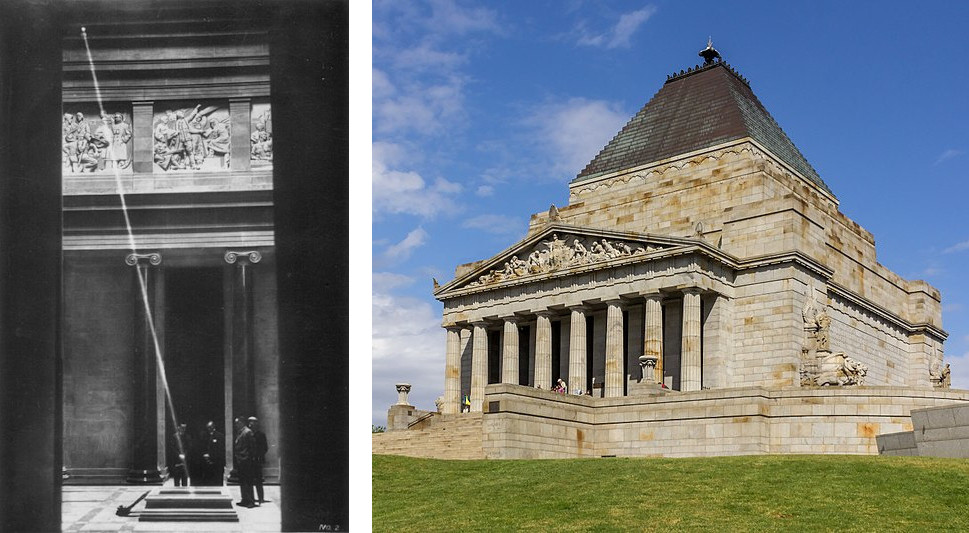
(92, 509)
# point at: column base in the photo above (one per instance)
(144, 477)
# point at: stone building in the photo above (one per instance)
(704, 288)
(184, 127)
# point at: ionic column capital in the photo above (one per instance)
(153, 258)
(231, 256)
(546, 313)
(453, 328)
(514, 319)
(582, 308)
(479, 323)
(691, 290)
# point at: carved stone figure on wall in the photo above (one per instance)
(556, 254)
(261, 143)
(822, 336)
(121, 132)
(69, 142)
(837, 369)
(217, 140)
(940, 378)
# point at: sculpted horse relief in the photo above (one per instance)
(839, 369)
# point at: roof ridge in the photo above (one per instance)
(700, 68)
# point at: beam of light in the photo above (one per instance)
(142, 282)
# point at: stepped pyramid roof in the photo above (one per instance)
(695, 109)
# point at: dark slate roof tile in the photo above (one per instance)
(695, 110)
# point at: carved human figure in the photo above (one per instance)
(597, 250)
(183, 137)
(121, 134)
(611, 251)
(945, 379)
(261, 143)
(823, 322)
(217, 140)
(580, 253)
(69, 142)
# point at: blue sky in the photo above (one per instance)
(482, 113)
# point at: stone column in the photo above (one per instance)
(479, 365)
(509, 351)
(690, 378)
(144, 421)
(543, 351)
(143, 148)
(240, 356)
(452, 372)
(240, 110)
(239, 328)
(653, 333)
(577, 349)
(614, 355)
(403, 389)
(31, 402)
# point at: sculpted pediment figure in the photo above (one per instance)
(555, 250)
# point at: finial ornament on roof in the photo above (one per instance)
(709, 53)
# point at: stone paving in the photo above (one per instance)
(92, 509)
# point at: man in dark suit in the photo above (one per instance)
(243, 455)
(261, 447)
(213, 455)
(181, 446)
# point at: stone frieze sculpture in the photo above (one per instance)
(558, 254)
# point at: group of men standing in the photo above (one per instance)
(204, 458)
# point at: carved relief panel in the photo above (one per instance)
(261, 135)
(96, 143)
(191, 136)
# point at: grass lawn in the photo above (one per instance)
(750, 493)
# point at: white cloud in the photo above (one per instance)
(574, 131)
(385, 281)
(424, 56)
(951, 308)
(959, 366)
(382, 88)
(450, 17)
(403, 249)
(958, 247)
(485, 190)
(408, 346)
(497, 224)
(405, 191)
(619, 35)
(420, 108)
(948, 154)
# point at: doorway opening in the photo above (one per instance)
(194, 350)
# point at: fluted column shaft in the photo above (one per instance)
(690, 371)
(452, 372)
(509, 352)
(543, 352)
(479, 365)
(653, 333)
(614, 378)
(577, 350)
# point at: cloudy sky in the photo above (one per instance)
(482, 113)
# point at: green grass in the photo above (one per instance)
(751, 493)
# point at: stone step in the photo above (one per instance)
(189, 504)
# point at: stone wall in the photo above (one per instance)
(520, 422)
(749, 205)
(98, 367)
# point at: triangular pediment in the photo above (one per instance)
(561, 248)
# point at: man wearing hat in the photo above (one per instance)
(260, 448)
